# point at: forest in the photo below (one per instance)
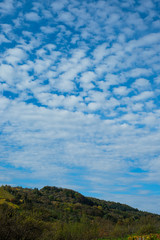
(53, 213)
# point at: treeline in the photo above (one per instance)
(17, 225)
(61, 214)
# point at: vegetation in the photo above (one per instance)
(53, 213)
(145, 237)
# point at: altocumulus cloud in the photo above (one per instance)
(79, 97)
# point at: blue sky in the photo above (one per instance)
(79, 97)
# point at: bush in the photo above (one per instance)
(147, 229)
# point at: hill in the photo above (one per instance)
(57, 213)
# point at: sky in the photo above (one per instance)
(80, 97)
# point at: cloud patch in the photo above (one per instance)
(79, 97)
(32, 16)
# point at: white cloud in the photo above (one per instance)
(41, 65)
(135, 21)
(87, 79)
(7, 73)
(58, 5)
(37, 6)
(100, 52)
(141, 84)
(156, 24)
(147, 40)
(112, 103)
(6, 28)
(72, 102)
(157, 80)
(137, 107)
(122, 91)
(150, 120)
(93, 106)
(96, 96)
(3, 39)
(4, 103)
(65, 84)
(146, 7)
(137, 72)
(15, 55)
(32, 16)
(66, 17)
(6, 6)
(48, 29)
(143, 96)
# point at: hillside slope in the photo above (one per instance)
(53, 211)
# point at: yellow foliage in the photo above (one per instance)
(2, 201)
(99, 207)
(5, 195)
(145, 237)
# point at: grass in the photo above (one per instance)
(2, 201)
(5, 195)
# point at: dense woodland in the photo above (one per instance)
(53, 213)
